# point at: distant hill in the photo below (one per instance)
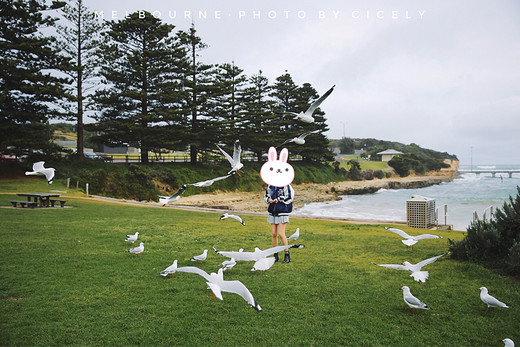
(373, 146)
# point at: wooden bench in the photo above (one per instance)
(31, 204)
(53, 201)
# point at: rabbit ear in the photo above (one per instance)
(284, 155)
(272, 154)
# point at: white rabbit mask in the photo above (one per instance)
(275, 172)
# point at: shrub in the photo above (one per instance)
(379, 174)
(495, 243)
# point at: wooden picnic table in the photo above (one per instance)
(43, 199)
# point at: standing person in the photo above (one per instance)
(280, 205)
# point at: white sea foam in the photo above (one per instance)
(463, 196)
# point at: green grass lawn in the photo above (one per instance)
(365, 164)
(65, 279)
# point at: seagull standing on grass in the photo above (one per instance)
(489, 300)
(208, 182)
(200, 257)
(307, 115)
(38, 169)
(137, 250)
(412, 301)
(414, 269)
(236, 165)
(226, 216)
(166, 199)
(228, 264)
(295, 236)
(217, 284)
(132, 238)
(409, 241)
(257, 256)
(170, 269)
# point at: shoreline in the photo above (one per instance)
(309, 192)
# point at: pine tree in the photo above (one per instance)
(197, 90)
(79, 40)
(142, 68)
(28, 88)
(258, 119)
(228, 101)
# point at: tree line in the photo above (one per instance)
(142, 81)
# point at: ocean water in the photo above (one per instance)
(463, 197)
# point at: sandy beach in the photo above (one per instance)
(310, 192)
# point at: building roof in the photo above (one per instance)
(390, 151)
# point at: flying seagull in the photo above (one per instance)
(200, 257)
(227, 215)
(295, 236)
(412, 240)
(132, 238)
(300, 139)
(489, 300)
(170, 269)
(236, 165)
(208, 182)
(257, 255)
(137, 250)
(38, 169)
(307, 115)
(217, 284)
(166, 199)
(508, 342)
(412, 301)
(415, 269)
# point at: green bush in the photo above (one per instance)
(379, 174)
(495, 243)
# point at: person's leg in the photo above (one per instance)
(281, 234)
(274, 229)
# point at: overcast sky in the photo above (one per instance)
(442, 74)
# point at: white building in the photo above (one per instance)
(389, 154)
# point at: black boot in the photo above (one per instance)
(275, 257)
(287, 258)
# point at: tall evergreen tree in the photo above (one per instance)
(79, 40)
(228, 100)
(284, 94)
(260, 121)
(28, 88)
(141, 65)
(197, 89)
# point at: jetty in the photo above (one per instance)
(493, 172)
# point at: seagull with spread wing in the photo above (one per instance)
(300, 139)
(411, 240)
(236, 165)
(233, 216)
(307, 115)
(176, 196)
(217, 284)
(257, 256)
(414, 269)
(39, 169)
(209, 182)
